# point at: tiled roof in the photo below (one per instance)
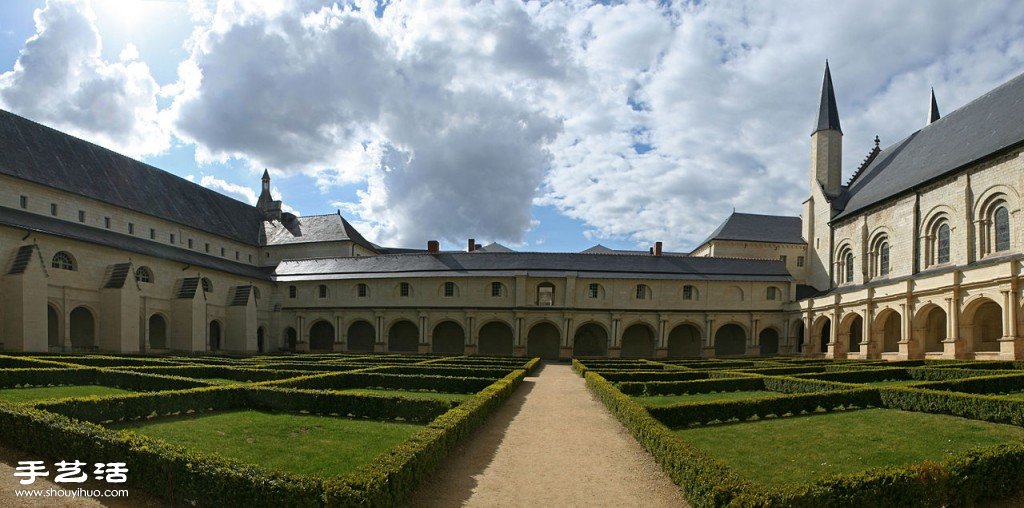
(40, 154)
(313, 228)
(749, 227)
(985, 126)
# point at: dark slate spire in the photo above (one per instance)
(933, 110)
(828, 114)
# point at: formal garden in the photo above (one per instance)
(804, 432)
(297, 430)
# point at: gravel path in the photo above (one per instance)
(552, 444)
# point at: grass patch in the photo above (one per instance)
(795, 450)
(411, 394)
(303, 444)
(41, 393)
(663, 400)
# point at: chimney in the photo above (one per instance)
(471, 245)
(657, 248)
(433, 247)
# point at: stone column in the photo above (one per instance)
(341, 337)
(709, 348)
(661, 351)
(1010, 347)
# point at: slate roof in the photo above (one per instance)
(828, 113)
(750, 227)
(481, 263)
(987, 125)
(46, 156)
(601, 249)
(75, 231)
(313, 228)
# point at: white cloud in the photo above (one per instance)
(240, 192)
(61, 80)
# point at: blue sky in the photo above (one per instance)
(545, 126)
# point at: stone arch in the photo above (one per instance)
(157, 332)
(591, 339)
(983, 319)
(822, 332)
(261, 338)
(684, 341)
(321, 336)
(852, 331)
(213, 336)
(83, 328)
(496, 338)
(291, 339)
(638, 341)
(734, 293)
(888, 330)
(403, 337)
(798, 333)
(730, 340)
(52, 326)
(544, 341)
(930, 328)
(361, 336)
(448, 337)
(768, 340)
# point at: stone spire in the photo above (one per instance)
(933, 109)
(828, 113)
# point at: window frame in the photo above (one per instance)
(65, 262)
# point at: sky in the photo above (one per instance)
(544, 126)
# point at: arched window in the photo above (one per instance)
(404, 289)
(362, 290)
(883, 259)
(643, 292)
(942, 244)
(844, 266)
(207, 285)
(497, 289)
(1001, 226)
(689, 292)
(848, 262)
(321, 291)
(449, 289)
(143, 274)
(63, 261)
(546, 294)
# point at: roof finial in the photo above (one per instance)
(877, 141)
(933, 109)
(828, 113)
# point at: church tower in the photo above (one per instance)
(271, 209)
(825, 185)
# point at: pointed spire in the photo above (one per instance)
(266, 175)
(828, 113)
(933, 110)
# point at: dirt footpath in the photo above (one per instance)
(551, 444)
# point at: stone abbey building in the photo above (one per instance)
(918, 255)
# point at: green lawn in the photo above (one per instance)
(221, 381)
(296, 443)
(41, 393)
(662, 400)
(412, 394)
(800, 449)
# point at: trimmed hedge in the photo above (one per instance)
(691, 387)
(682, 415)
(660, 375)
(392, 381)
(10, 378)
(862, 375)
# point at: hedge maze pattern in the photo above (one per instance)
(977, 390)
(308, 384)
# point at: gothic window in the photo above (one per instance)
(848, 263)
(207, 285)
(63, 261)
(942, 244)
(883, 259)
(143, 274)
(1001, 220)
